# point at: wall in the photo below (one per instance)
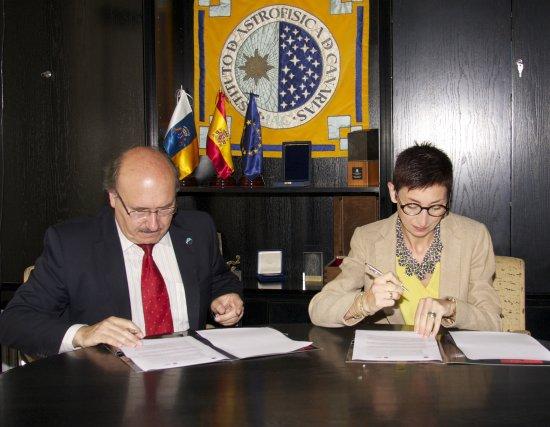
(451, 86)
(58, 132)
(454, 82)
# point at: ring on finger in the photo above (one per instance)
(431, 314)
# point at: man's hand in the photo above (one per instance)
(227, 309)
(115, 331)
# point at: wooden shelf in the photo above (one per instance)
(273, 191)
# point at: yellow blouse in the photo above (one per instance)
(416, 290)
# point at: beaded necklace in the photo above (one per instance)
(406, 259)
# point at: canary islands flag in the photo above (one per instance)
(251, 141)
(180, 141)
(218, 141)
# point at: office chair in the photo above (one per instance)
(10, 356)
(27, 273)
(26, 358)
(510, 286)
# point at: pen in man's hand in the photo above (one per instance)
(375, 272)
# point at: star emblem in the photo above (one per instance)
(256, 67)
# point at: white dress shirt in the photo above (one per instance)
(165, 258)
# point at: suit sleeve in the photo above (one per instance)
(482, 309)
(33, 321)
(328, 307)
(223, 281)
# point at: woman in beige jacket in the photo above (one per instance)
(437, 266)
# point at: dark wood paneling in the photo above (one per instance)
(531, 142)
(265, 307)
(101, 95)
(350, 212)
(386, 104)
(293, 223)
(174, 56)
(28, 144)
(537, 316)
(451, 86)
(59, 132)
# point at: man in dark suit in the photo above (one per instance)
(136, 260)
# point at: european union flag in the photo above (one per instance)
(251, 141)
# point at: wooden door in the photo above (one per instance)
(28, 144)
(59, 131)
(451, 86)
(531, 141)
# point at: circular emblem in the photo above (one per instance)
(285, 55)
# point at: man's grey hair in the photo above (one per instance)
(112, 170)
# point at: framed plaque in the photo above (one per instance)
(270, 266)
(313, 267)
(296, 164)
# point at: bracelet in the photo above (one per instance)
(453, 306)
(358, 308)
(359, 311)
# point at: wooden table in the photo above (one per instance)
(93, 387)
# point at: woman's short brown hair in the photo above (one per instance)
(422, 166)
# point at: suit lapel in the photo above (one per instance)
(108, 253)
(384, 248)
(184, 248)
(450, 258)
(384, 253)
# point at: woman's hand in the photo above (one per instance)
(429, 313)
(384, 291)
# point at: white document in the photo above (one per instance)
(478, 345)
(251, 342)
(163, 353)
(394, 346)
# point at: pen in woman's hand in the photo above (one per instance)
(375, 272)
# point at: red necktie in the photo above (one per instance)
(156, 304)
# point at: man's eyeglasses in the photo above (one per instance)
(413, 209)
(139, 214)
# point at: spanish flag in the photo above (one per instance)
(180, 141)
(218, 142)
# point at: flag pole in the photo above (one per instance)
(180, 142)
(218, 146)
(251, 147)
(189, 180)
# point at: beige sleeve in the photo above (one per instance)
(329, 306)
(482, 309)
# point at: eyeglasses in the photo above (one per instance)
(140, 214)
(413, 209)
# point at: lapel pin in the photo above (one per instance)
(189, 241)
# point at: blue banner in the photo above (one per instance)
(251, 141)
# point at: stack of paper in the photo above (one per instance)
(252, 342)
(468, 347)
(477, 345)
(394, 346)
(165, 353)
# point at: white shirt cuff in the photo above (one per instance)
(67, 343)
